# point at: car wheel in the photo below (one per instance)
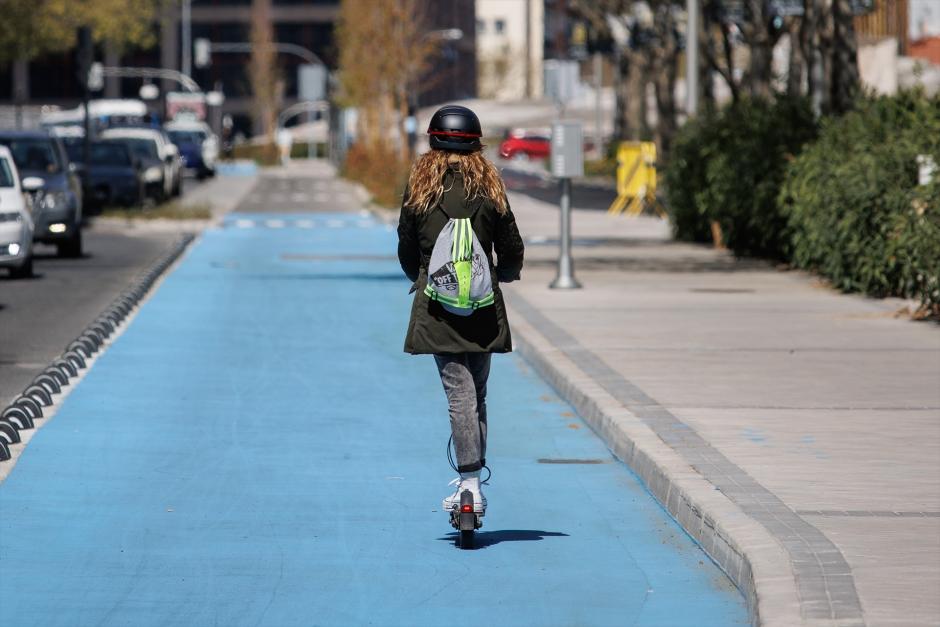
(71, 247)
(24, 271)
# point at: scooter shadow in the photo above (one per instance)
(483, 539)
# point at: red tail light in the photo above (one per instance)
(467, 509)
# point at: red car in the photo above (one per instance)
(525, 145)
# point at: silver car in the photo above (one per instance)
(16, 220)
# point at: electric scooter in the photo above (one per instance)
(465, 520)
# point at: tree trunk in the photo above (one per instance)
(844, 74)
(262, 69)
(796, 65)
(761, 45)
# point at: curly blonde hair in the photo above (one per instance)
(426, 181)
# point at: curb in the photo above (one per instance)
(22, 415)
(752, 558)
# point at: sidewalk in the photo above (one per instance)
(793, 431)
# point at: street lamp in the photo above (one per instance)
(187, 35)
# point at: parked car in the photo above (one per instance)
(158, 156)
(16, 222)
(521, 144)
(57, 206)
(114, 177)
(197, 144)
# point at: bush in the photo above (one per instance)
(380, 169)
(685, 176)
(856, 212)
(262, 154)
(728, 166)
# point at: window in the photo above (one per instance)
(6, 176)
(481, 26)
(109, 153)
(143, 148)
(500, 26)
(33, 154)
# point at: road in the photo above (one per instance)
(256, 449)
(532, 180)
(41, 315)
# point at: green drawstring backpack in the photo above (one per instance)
(459, 272)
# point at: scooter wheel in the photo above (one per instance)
(466, 539)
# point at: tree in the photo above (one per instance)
(30, 28)
(266, 86)
(382, 86)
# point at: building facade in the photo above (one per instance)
(509, 41)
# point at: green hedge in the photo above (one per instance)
(856, 212)
(727, 166)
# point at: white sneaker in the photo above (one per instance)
(466, 481)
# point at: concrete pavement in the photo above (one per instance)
(794, 431)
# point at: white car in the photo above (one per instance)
(16, 220)
(158, 156)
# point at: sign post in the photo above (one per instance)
(567, 161)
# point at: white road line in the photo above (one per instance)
(365, 224)
(305, 224)
(275, 224)
(245, 224)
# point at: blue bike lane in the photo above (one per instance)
(256, 449)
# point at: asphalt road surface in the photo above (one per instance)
(41, 315)
(531, 180)
(256, 449)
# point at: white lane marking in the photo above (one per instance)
(305, 224)
(245, 224)
(274, 224)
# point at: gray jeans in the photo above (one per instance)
(464, 377)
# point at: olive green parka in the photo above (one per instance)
(432, 329)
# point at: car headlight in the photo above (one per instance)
(153, 174)
(54, 200)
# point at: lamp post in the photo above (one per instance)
(186, 28)
(691, 57)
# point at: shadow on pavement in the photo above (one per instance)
(484, 539)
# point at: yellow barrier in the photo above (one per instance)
(636, 179)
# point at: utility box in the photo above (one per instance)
(567, 149)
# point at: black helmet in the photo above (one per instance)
(455, 128)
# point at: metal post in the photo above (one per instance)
(565, 279)
(187, 37)
(598, 137)
(691, 57)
